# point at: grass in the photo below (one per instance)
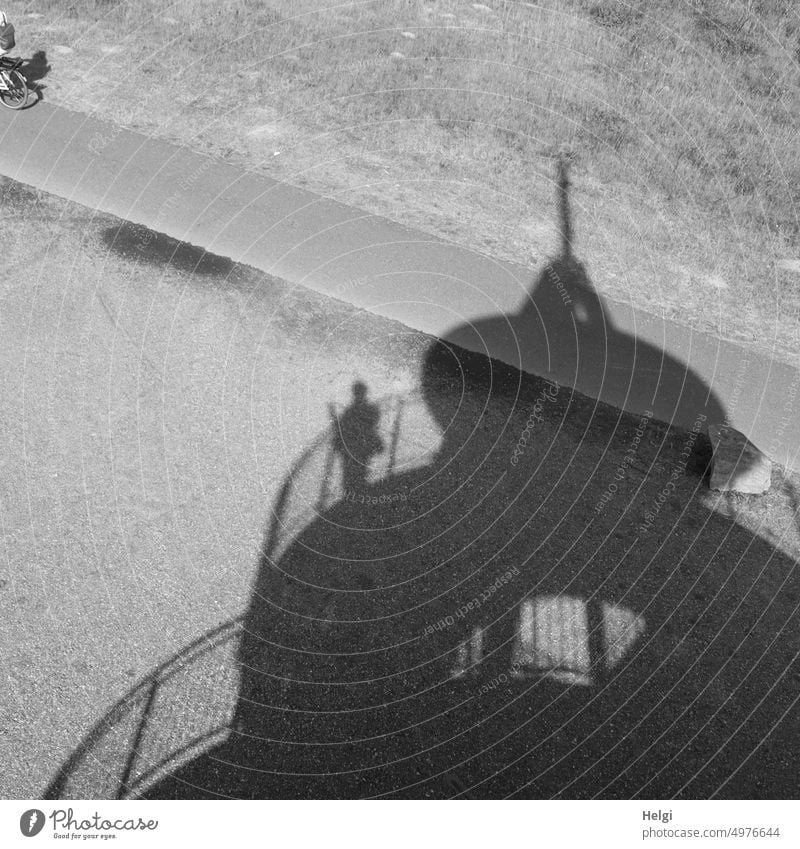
(680, 117)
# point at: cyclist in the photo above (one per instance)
(13, 88)
(7, 41)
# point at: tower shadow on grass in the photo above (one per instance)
(519, 592)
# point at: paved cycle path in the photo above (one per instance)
(560, 328)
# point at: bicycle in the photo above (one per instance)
(13, 85)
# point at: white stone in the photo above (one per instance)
(263, 130)
(737, 465)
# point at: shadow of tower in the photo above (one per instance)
(476, 626)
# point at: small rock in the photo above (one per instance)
(737, 465)
(263, 129)
(62, 48)
(397, 55)
(789, 265)
(408, 35)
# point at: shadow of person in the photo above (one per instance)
(357, 439)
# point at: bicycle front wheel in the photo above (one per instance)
(16, 95)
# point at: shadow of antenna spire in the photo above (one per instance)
(565, 214)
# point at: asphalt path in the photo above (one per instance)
(554, 326)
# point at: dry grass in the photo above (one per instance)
(446, 115)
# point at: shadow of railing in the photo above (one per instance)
(186, 706)
(318, 479)
(157, 725)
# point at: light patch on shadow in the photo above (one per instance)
(469, 654)
(553, 639)
(621, 629)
